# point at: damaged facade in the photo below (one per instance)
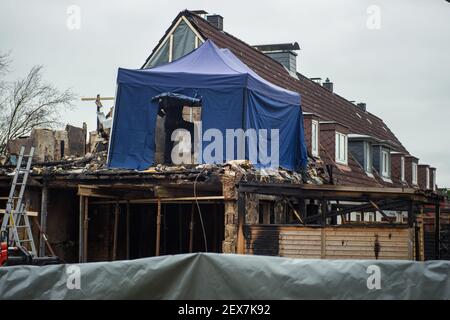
(362, 194)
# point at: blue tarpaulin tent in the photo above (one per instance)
(233, 96)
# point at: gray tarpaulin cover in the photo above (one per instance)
(226, 276)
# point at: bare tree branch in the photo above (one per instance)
(30, 103)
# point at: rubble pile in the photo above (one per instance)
(95, 163)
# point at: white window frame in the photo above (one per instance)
(371, 217)
(385, 170)
(315, 138)
(402, 168)
(414, 173)
(198, 39)
(341, 147)
(427, 176)
(358, 214)
(367, 157)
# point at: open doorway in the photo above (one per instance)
(174, 134)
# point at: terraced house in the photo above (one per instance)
(362, 194)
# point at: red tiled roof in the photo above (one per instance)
(327, 105)
(315, 99)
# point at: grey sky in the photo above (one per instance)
(402, 70)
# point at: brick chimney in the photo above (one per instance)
(216, 20)
(410, 163)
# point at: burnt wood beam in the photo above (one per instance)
(241, 221)
(382, 204)
(437, 233)
(331, 192)
(297, 215)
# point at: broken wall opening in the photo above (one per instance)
(134, 233)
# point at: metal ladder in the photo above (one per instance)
(15, 219)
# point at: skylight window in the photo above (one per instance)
(368, 120)
(358, 115)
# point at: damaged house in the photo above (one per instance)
(346, 188)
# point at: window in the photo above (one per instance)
(427, 177)
(402, 168)
(315, 138)
(414, 173)
(368, 157)
(341, 148)
(358, 217)
(385, 164)
(371, 216)
(181, 40)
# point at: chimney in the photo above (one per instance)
(361, 106)
(283, 53)
(216, 20)
(328, 85)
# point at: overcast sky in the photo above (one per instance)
(401, 69)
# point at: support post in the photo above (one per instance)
(116, 228)
(81, 229)
(411, 214)
(241, 220)
(128, 230)
(437, 233)
(85, 228)
(416, 241)
(44, 199)
(158, 228)
(180, 231)
(191, 230)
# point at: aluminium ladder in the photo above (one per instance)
(16, 224)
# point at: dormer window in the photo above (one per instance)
(341, 148)
(414, 173)
(385, 164)
(368, 157)
(402, 168)
(315, 138)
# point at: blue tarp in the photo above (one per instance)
(233, 97)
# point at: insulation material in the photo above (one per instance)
(228, 276)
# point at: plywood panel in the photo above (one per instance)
(337, 242)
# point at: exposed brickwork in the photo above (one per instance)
(422, 171)
(408, 169)
(307, 124)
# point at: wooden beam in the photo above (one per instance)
(167, 200)
(43, 225)
(295, 211)
(128, 230)
(80, 229)
(191, 229)
(94, 99)
(45, 238)
(378, 209)
(332, 192)
(158, 228)
(85, 229)
(364, 207)
(241, 221)
(437, 233)
(116, 228)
